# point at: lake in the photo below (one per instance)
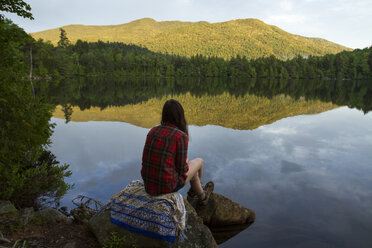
(297, 152)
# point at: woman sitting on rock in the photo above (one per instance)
(165, 166)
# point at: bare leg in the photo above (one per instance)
(194, 175)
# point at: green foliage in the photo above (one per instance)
(18, 7)
(67, 110)
(43, 182)
(370, 58)
(247, 37)
(13, 40)
(63, 40)
(114, 241)
(37, 220)
(28, 173)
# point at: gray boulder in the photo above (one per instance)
(71, 244)
(6, 207)
(196, 233)
(9, 215)
(224, 217)
(51, 215)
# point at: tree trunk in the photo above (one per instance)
(30, 76)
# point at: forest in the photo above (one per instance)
(114, 58)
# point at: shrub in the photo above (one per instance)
(114, 241)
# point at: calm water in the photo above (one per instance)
(307, 177)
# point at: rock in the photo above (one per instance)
(82, 214)
(70, 245)
(9, 215)
(64, 210)
(224, 217)
(221, 211)
(51, 215)
(196, 233)
(25, 215)
(6, 207)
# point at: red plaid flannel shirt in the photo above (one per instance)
(164, 159)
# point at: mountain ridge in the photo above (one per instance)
(245, 37)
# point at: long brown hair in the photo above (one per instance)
(173, 113)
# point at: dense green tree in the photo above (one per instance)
(370, 58)
(63, 40)
(19, 7)
(28, 172)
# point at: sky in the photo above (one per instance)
(345, 22)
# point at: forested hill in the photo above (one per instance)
(245, 37)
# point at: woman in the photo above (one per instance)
(165, 166)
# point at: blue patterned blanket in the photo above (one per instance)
(162, 217)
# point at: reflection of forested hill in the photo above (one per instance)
(239, 112)
(247, 37)
(106, 92)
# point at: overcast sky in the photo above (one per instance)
(345, 22)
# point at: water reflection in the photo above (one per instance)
(290, 167)
(111, 91)
(101, 154)
(243, 112)
(307, 177)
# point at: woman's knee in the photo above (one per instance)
(198, 161)
(195, 169)
(201, 162)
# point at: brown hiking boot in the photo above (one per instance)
(208, 189)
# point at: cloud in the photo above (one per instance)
(183, 2)
(290, 167)
(286, 5)
(272, 129)
(286, 19)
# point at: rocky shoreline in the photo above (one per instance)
(207, 226)
(47, 228)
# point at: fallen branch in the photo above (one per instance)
(2, 238)
(87, 202)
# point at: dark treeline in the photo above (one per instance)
(113, 58)
(105, 91)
